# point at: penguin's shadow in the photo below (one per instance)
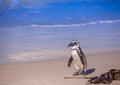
(89, 71)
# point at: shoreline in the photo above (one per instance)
(88, 53)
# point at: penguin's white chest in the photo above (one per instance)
(76, 59)
(75, 56)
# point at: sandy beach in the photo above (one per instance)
(53, 71)
(34, 38)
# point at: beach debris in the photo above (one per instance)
(106, 78)
(73, 77)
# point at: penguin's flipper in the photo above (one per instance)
(70, 61)
(83, 59)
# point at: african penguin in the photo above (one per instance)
(78, 57)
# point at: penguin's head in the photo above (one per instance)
(74, 44)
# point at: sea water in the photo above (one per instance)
(38, 42)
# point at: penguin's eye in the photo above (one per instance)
(75, 43)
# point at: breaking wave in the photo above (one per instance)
(73, 25)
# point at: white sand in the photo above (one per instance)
(51, 72)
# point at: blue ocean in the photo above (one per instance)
(38, 30)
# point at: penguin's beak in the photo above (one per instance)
(71, 44)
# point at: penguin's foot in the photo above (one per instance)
(79, 73)
(83, 73)
(76, 73)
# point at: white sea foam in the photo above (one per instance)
(73, 25)
(109, 21)
(64, 25)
